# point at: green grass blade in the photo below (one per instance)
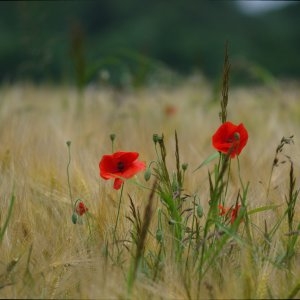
(208, 160)
(12, 200)
(294, 292)
(262, 208)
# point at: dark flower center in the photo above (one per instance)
(120, 166)
(234, 138)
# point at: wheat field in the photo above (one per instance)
(44, 255)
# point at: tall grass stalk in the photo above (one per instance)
(284, 141)
(141, 240)
(8, 217)
(216, 189)
(225, 86)
(291, 203)
(169, 193)
(68, 174)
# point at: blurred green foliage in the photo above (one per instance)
(133, 41)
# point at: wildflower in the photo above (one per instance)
(120, 165)
(222, 209)
(81, 208)
(232, 212)
(230, 139)
(170, 110)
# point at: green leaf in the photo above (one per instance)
(208, 160)
(263, 208)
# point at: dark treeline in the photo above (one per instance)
(78, 40)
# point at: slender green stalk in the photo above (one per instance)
(225, 86)
(227, 180)
(141, 239)
(294, 291)
(118, 213)
(291, 202)
(11, 205)
(112, 137)
(89, 225)
(292, 198)
(284, 141)
(239, 173)
(245, 213)
(216, 190)
(68, 173)
(190, 238)
(179, 173)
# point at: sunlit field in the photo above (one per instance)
(150, 239)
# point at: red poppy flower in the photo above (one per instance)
(223, 210)
(81, 208)
(230, 139)
(232, 212)
(170, 110)
(120, 165)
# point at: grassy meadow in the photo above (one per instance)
(156, 251)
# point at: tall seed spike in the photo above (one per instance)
(225, 85)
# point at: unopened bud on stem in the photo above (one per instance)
(112, 137)
(155, 138)
(147, 174)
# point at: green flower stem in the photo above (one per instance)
(3, 229)
(112, 146)
(227, 180)
(239, 172)
(112, 138)
(243, 202)
(88, 222)
(118, 213)
(68, 174)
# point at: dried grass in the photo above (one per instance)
(64, 262)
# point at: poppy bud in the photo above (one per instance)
(160, 139)
(199, 211)
(159, 235)
(147, 174)
(112, 137)
(74, 218)
(184, 166)
(155, 138)
(68, 143)
(80, 208)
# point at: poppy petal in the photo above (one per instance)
(106, 166)
(134, 168)
(127, 157)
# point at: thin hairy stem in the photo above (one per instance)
(68, 173)
(118, 213)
